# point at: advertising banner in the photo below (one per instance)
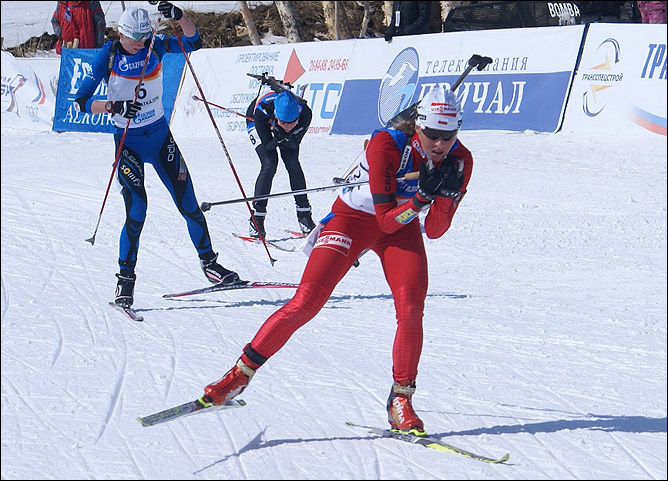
(28, 91)
(524, 88)
(316, 70)
(620, 85)
(355, 86)
(75, 63)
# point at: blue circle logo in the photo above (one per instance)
(398, 85)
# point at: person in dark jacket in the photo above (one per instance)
(408, 18)
(278, 121)
(79, 20)
(600, 12)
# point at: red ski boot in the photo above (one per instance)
(400, 412)
(231, 385)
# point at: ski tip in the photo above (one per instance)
(141, 421)
(503, 459)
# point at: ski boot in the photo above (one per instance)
(125, 290)
(400, 412)
(216, 273)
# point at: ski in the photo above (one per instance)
(296, 235)
(228, 287)
(190, 407)
(429, 442)
(271, 243)
(128, 311)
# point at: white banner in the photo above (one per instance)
(315, 69)
(620, 85)
(355, 86)
(29, 91)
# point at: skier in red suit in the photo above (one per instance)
(383, 217)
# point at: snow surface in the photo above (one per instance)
(545, 322)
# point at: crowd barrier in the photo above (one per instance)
(596, 77)
(356, 86)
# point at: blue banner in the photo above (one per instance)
(75, 63)
(517, 102)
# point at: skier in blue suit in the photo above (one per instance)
(148, 138)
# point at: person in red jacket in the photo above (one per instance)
(384, 217)
(79, 20)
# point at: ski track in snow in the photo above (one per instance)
(545, 321)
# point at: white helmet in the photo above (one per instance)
(134, 23)
(439, 110)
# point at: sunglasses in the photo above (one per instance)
(288, 122)
(140, 36)
(433, 134)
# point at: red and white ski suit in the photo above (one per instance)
(378, 218)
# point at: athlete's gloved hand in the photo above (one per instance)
(170, 11)
(452, 180)
(127, 108)
(286, 142)
(428, 184)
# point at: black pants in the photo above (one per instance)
(268, 166)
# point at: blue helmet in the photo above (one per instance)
(286, 107)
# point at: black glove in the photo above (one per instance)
(127, 108)
(170, 11)
(388, 35)
(452, 180)
(287, 142)
(428, 184)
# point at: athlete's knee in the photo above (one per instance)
(308, 300)
(409, 302)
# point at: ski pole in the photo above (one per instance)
(476, 61)
(195, 97)
(125, 131)
(207, 205)
(220, 138)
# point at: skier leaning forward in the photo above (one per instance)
(382, 216)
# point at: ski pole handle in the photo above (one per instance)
(476, 61)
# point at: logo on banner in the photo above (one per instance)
(80, 70)
(41, 95)
(601, 77)
(9, 88)
(398, 85)
(294, 69)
